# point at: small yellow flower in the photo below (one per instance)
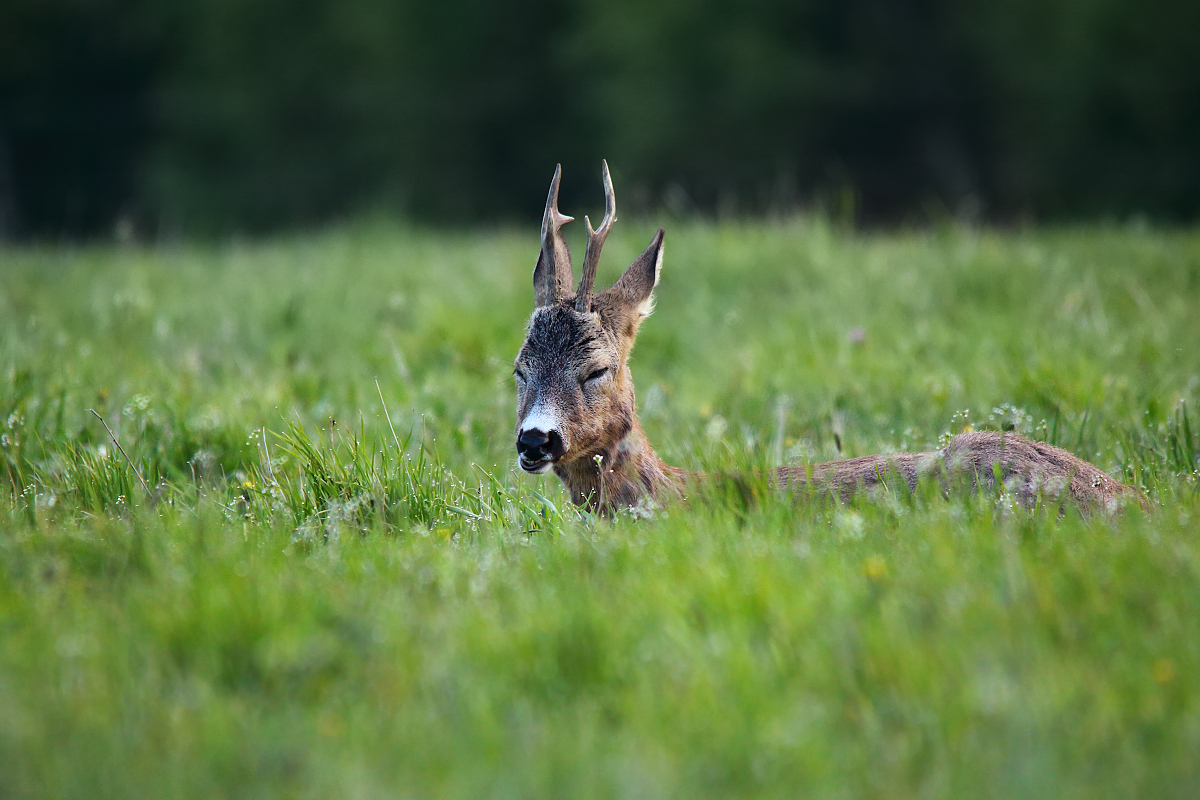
(331, 725)
(1163, 670)
(875, 567)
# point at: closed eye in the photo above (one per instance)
(597, 375)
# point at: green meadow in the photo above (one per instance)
(262, 534)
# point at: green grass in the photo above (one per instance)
(317, 595)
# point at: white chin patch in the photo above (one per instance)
(540, 469)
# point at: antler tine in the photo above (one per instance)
(591, 259)
(555, 256)
(552, 220)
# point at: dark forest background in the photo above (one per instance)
(248, 115)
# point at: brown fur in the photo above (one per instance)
(1028, 470)
(608, 464)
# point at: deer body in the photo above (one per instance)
(576, 410)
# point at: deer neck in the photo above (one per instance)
(621, 475)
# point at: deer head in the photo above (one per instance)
(575, 398)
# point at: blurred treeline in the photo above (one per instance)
(210, 115)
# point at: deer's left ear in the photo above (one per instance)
(636, 286)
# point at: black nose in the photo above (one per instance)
(536, 445)
(532, 439)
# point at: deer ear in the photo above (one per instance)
(543, 286)
(636, 286)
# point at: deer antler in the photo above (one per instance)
(591, 259)
(552, 276)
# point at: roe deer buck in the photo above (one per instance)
(576, 412)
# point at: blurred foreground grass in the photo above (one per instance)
(322, 597)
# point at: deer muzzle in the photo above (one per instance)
(537, 449)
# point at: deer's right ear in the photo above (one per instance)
(544, 286)
(636, 286)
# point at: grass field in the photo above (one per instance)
(317, 595)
